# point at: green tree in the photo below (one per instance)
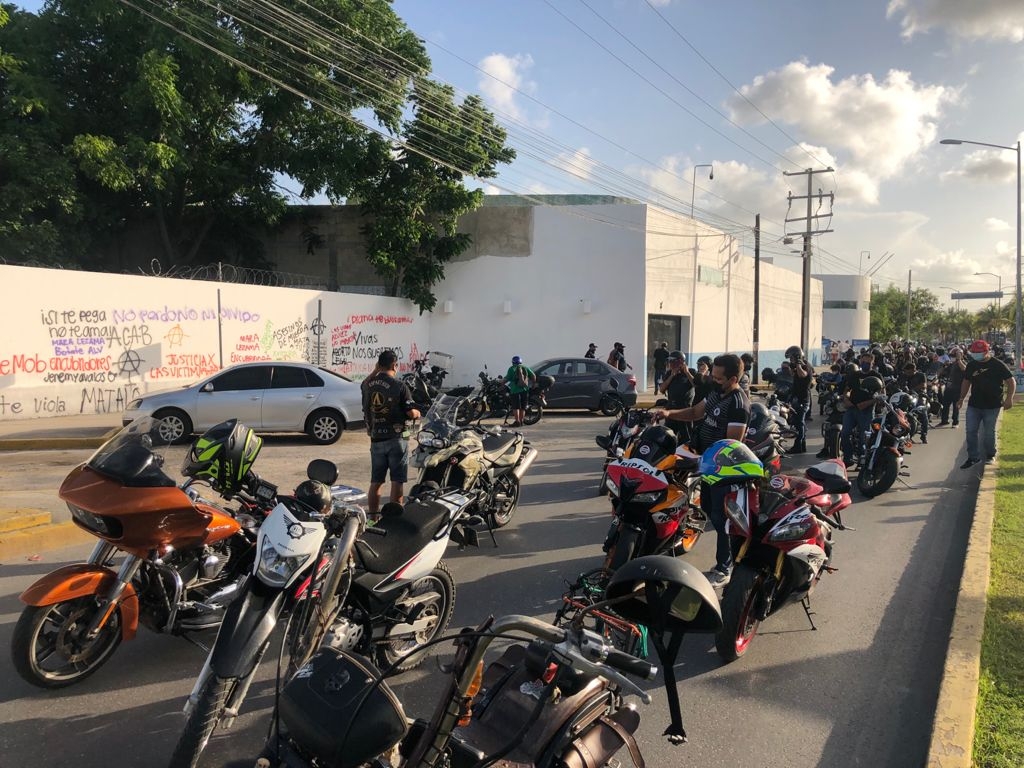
(413, 204)
(889, 313)
(160, 129)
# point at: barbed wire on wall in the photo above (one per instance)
(231, 273)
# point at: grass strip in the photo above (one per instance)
(999, 725)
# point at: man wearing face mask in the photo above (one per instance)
(985, 379)
(859, 403)
(954, 374)
(723, 414)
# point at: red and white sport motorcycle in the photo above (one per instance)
(782, 544)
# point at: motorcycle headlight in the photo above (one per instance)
(737, 516)
(646, 498)
(276, 569)
(793, 529)
(425, 438)
(100, 525)
(439, 443)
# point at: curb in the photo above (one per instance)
(952, 743)
(40, 538)
(54, 443)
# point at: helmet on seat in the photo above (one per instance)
(729, 461)
(759, 417)
(223, 456)
(314, 494)
(654, 444)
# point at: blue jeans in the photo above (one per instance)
(389, 457)
(712, 501)
(799, 420)
(855, 423)
(983, 419)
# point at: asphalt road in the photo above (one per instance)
(859, 691)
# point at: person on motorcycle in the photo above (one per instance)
(859, 402)
(520, 378)
(723, 414)
(913, 380)
(387, 406)
(800, 396)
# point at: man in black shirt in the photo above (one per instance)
(799, 397)
(915, 382)
(859, 403)
(985, 379)
(387, 405)
(660, 362)
(591, 350)
(723, 414)
(954, 375)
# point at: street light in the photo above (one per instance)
(693, 186)
(999, 289)
(1017, 324)
(952, 291)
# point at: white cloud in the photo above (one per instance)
(1003, 248)
(505, 77)
(878, 126)
(970, 19)
(579, 164)
(996, 225)
(986, 165)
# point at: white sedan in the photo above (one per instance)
(269, 397)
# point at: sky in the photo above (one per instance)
(628, 97)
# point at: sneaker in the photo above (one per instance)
(822, 454)
(924, 439)
(943, 424)
(990, 460)
(515, 424)
(956, 424)
(969, 463)
(717, 578)
(849, 464)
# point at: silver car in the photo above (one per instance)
(269, 397)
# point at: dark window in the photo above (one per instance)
(597, 369)
(254, 377)
(840, 304)
(551, 369)
(289, 377)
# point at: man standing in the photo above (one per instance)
(591, 350)
(387, 406)
(800, 397)
(954, 374)
(723, 414)
(678, 388)
(617, 357)
(660, 361)
(520, 378)
(984, 378)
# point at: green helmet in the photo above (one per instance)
(729, 460)
(223, 456)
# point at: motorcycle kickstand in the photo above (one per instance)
(806, 603)
(188, 636)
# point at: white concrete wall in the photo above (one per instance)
(85, 342)
(581, 282)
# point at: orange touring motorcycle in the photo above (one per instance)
(184, 557)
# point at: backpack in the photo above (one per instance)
(612, 359)
(521, 379)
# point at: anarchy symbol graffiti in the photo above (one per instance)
(129, 363)
(318, 327)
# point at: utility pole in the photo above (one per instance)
(757, 294)
(805, 301)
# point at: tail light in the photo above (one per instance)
(631, 381)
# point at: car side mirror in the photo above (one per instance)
(207, 387)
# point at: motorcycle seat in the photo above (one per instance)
(829, 476)
(496, 445)
(407, 534)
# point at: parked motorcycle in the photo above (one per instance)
(655, 495)
(556, 701)
(485, 463)
(764, 437)
(781, 537)
(611, 403)
(185, 556)
(424, 383)
(630, 423)
(400, 596)
(884, 448)
(492, 399)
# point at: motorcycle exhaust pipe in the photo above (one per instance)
(525, 463)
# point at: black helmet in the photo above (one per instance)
(665, 593)
(794, 351)
(654, 444)
(314, 495)
(223, 456)
(872, 384)
(759, 418)
(704, 359)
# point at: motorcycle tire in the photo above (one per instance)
(610, 405)
(873, 480)
(739, 603)
(440, 582)
(624, 546)
(31, 643)
(202, 720)
(534, 410)
(467, 412)
(508, 485)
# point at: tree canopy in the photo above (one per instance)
(186, 115)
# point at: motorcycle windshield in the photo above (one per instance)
(135, 455)
(440, 419)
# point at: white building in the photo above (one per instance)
(847, 309)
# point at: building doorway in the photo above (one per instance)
(668, 328)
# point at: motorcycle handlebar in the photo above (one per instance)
(631, 665)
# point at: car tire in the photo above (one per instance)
(325, 426)
(177, 426)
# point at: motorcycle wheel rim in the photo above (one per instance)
(434, 610)
(61, 639)
(746, 628)
(503, 516)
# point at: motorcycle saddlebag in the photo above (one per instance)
(332, 711)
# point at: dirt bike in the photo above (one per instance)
(485, 463)
(185, 559)
(554, 700)
(782, 544)
(399, 597)
(655, 495)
